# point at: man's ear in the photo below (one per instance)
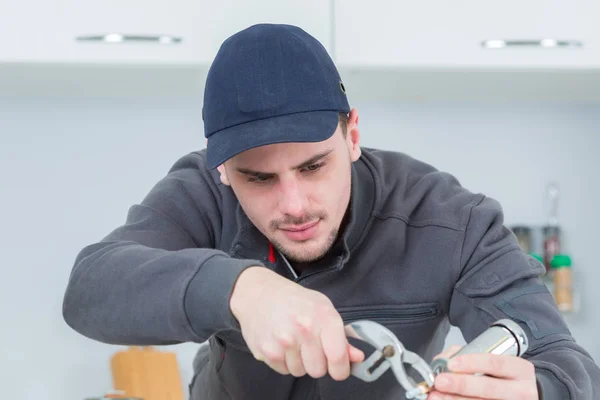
(223, 174)
(353, 135)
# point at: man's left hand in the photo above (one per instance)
(505, 378)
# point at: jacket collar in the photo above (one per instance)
(362, 201)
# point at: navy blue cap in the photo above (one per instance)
(270, 83)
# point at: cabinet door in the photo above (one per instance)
(314, 16)
(430, 33)
(48, 31)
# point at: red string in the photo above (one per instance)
(271, 253)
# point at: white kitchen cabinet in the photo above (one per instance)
(449, 34)
(37, 31)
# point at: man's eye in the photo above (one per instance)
(259, 178)
(314, 167)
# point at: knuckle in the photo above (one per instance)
(305, 324)
(272, 354)
(285, 341)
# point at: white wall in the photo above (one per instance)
(70, 168)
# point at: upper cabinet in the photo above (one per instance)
(141, 32)
(467, 33)
(384, 49)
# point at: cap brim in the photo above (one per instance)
(313, 126)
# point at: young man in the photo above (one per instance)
(284, 230)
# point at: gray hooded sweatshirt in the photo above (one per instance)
(419, 253)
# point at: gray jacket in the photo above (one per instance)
(420, 252)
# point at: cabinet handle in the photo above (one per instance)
(122, 38)
(541, 43)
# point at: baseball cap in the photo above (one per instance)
(270, 83)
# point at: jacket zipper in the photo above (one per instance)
(388, 315)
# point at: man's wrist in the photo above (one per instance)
(239, 298)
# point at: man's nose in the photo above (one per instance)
(292, 199)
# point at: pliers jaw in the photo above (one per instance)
(389, 353)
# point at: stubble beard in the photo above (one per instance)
(301, 254)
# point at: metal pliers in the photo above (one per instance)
(389, 353)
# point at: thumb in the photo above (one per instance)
(355, 354)
(449, 352)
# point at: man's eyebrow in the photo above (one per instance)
(314, 159)
(254, 173)
(303, 164)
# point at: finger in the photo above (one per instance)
(483, 386)
(449, 352)
(356, 355)
(293, 362)
(335, 347)
(278, 366)
(445, 396)
(272, 353)
(311, 352)
(500, 366)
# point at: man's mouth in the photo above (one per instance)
(301, 232)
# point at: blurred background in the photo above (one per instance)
(98, 99)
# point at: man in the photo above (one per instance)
(284, 230)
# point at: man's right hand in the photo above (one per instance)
(292, 329)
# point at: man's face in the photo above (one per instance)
(297, 194)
